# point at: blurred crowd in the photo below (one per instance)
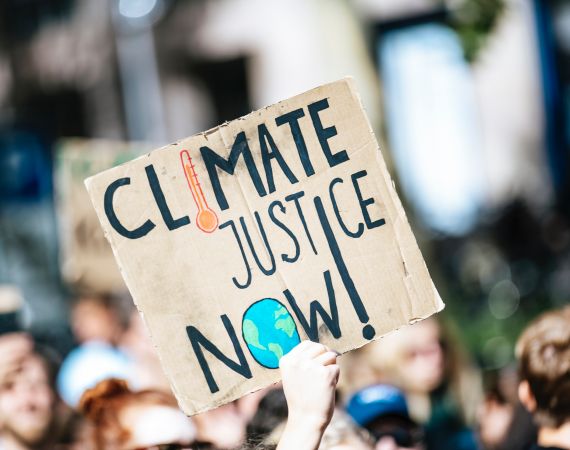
(413, 389)
(470, 100)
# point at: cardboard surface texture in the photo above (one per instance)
(86, 258)
(241, 241)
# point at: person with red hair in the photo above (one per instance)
(122, 419)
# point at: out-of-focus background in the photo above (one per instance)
(470, 100)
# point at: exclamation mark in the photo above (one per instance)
(368, 331)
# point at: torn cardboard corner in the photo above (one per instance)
(240, 242)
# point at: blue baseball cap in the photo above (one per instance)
(376, 401)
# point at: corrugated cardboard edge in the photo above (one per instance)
(395, 200)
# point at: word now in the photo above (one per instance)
(309, 322)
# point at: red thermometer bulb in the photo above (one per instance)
(206, 219)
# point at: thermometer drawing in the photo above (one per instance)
(206, 219)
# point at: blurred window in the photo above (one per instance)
(432, 125)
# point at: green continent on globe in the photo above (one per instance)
(281, 311)
(251, 334)
(269, 331)
(287, 325)
(276, 350)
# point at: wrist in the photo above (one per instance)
(308, 421)
(302, 432)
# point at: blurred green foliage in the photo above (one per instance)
(474, 21)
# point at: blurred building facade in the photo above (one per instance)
(469, 100)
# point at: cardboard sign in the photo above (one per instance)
(87, 262)
(241, 241)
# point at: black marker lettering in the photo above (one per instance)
(270, 151)
(271, 270)
(198, 340)
(368, 331)
(311, 327)
(324, 134)
(170, 222)
(247, 267)
(364, 203)
(352, 234)
(286, 229)
(137, 233)
(295, 198)
(292, 118)
(213, 160)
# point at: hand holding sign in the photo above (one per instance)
(298, 234)
(310, 374)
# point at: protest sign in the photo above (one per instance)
(241, 241)
(87, 262)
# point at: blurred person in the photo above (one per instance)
(360, 369)
(137, 345)
(249, 404)
(503, 423)
(222, 427)
(495, 417)
(97, 318)
(15, 345)
(442, 389)
(15, 348)
(343, 434)
(122, 419)
(31, 415)
(383, 411)
(271, 413)
(97, 322)
(543, 352)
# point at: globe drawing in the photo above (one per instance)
(269, 331)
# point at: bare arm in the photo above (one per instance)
(310, 374)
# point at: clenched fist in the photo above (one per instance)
(310, 374)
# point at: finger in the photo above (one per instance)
(335, 372)
(326, 358)
(293, 354)
(298, 349)
(314, 350)
(302, 345)
(306, 350)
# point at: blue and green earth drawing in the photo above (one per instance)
(269, 331)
